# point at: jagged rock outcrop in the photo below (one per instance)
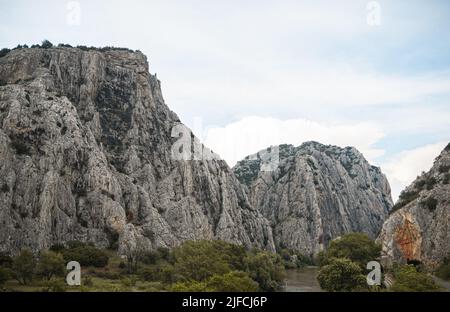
(85, 154)
(418, 229)
(316, 194)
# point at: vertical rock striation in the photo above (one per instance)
(418, 229)
(85, 154)
(316, 194)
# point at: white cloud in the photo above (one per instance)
(402, 168)
(251, 134)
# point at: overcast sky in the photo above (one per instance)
(249, 74)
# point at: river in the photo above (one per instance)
(302, 280)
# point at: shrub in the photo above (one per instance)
(233, 281)
(85, 254)
(5, 260)
(444, 271)
(5, 275)
(20, 147)
(357, 247)
(198, 260)
(87, 281)
(4, 51)
(430, 183)
(46, 44)
(444, 168)
(446, 178)
(408, 279)
(430, 203)
(5, 188)
(24, 266)
(267, 269)
(405, 198)
(50, 264)
(341, 274)
(163, 273)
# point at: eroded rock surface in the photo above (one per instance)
(419, 227)
(316, 194)
(85, 154)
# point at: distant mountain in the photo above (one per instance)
(86, 154)
(418, 229)
(316, 194)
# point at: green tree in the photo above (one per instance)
(50, 264)
(5, 275)
(267, 269)
(198, 260)
(46, 44)
(233, 281)
(24, 266)
(357, 247)
(341, 274)
(86, 255)
(408, 279)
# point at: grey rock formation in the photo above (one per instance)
(418, 229)
(316, 194)
(85, 154)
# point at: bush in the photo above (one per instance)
(85, 254)
(199, 260)
(408, 279)
(20, 147)
(444, 271)
(5, 260)
(430, 203)
(234, 281)
(24, 266)
(4, 51)
(446, 178)
(46, 44)
(87, 281)
(405, 198)
(50, 264)
(5, 275)
(341, 274)
(267, 269)
(163, 273)
(357, 247)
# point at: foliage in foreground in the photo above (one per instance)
(408, 279)
(341, 274)
(343, 266)
(193, 266)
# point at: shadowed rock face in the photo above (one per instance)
(418, 229)
(85, 154)
(316, 194)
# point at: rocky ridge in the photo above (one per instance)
(418, 229)
(316, 194)
(86, 154)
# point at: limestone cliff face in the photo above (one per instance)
(316, 194)
(85, 154)
(419, 227)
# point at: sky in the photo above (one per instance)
(245, 75)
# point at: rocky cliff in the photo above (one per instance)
(86, 154)
(316, 194)
(418, 229)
